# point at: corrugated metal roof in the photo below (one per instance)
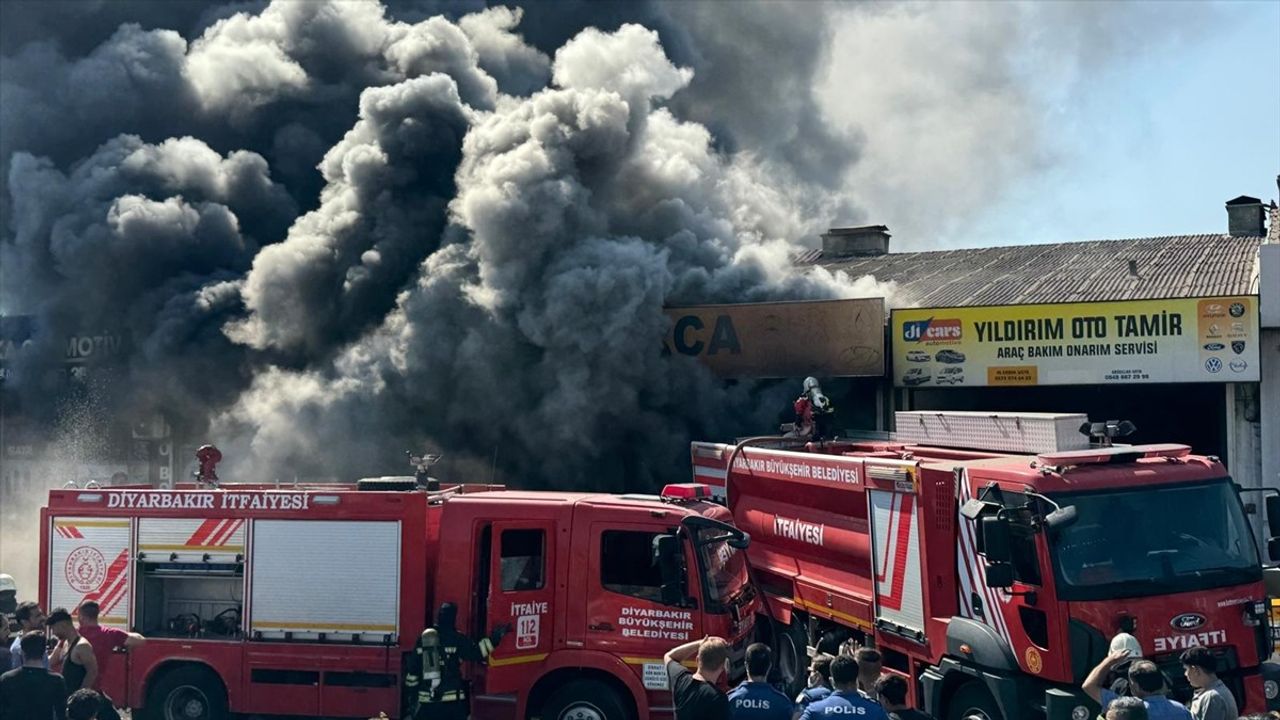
(1181, 266)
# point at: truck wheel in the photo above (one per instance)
(187, 693)
(585, 700)
(973, 702)
(792, 651)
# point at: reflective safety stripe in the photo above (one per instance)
(450, 696)
(411, 681)
(486, 646)
(431, 675)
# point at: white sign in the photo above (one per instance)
(655, 677)
(528, 629)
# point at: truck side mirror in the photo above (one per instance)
(1273, 514)
(996, 543)
(666, 551)
(1273, 549)
(999, 575)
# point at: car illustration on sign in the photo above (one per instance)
(951, 376)
(917, 356)
(1214, 347)
(949, 356)
(916, 376)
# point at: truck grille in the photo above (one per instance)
(1182, 691)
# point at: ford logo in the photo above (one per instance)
(1214, 347)
(1188, 621)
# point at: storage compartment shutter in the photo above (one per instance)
(333, 577)
(896, 548)
(180, 540)
(89, 560)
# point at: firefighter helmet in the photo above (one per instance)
(7, 583)
(430, 638)
(810, 383)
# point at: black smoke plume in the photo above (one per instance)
(335, 230)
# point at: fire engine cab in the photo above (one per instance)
(307, 599)
(991, 557)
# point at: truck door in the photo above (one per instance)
(89, 559)
(895, 548)
(521, 595)
(625, 613)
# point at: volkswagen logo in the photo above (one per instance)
(1188, 621)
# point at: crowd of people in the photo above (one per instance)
(53, 666)
(853, 682)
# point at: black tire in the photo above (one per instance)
(586, 700)
(791, 650)
(973, 702)
(189, 692)
(387, 484)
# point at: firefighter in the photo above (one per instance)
(8, 594)
(435, 668)
(814, 412)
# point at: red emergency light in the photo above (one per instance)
(686, 491)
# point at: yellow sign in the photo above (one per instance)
(824, 338)
(1133, 341)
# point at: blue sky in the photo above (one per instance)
(1160, 142)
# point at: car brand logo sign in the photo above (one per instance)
(932, 330)
(1238, 365)
(1237, 346)
(1213, 365)
(1188, 621)
(1237, 309)
(1214, 347)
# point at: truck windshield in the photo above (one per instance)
(723, 567)
(1131, 543)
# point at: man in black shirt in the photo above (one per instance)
(892, 691)
(695, 695)
(31, 692)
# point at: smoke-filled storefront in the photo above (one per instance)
(777, 345)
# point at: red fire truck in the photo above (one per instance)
(992, 557)
(305, 600)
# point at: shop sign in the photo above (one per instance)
(824, 338)
(1134, 341)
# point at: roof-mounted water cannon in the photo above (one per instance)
(421, 468)
(208, 456)
(1103, 433)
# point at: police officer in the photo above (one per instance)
(756, 699)
(846, 700)
(435, 668)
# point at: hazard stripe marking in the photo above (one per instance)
(206, 528)
(517, 660)
(194, 548)
(91, 523)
